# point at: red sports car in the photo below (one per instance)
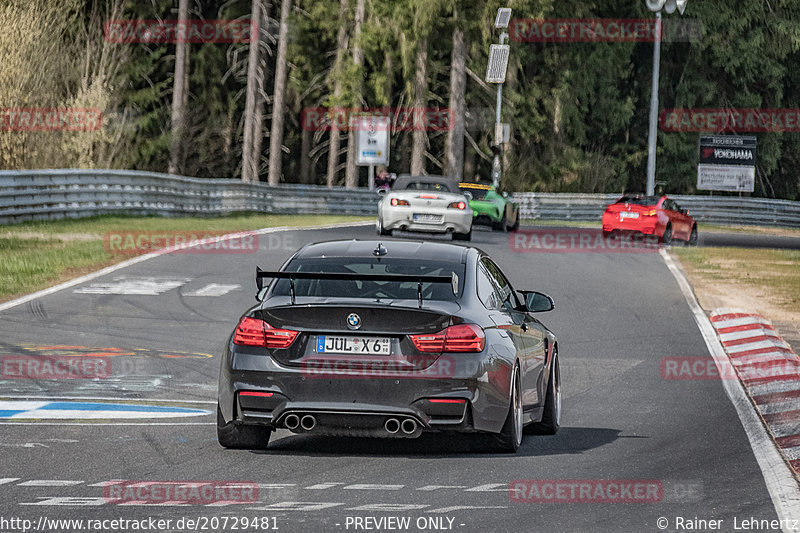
(650, 215)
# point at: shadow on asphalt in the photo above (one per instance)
(567, 441)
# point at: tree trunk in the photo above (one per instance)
(341, 48)
(351, 170)
(249, 158)
(454, 147)
(279, 98)
(178, 93)
(420, 140)
(305, 158)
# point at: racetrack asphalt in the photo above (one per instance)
(617, 316)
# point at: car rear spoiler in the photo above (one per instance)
(291, 276)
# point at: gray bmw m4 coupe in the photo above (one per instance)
(389, 339)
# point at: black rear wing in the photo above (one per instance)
(291, 276)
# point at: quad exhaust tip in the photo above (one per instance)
(308, 422)
(409, 426)
(392, 426)
(292, 421)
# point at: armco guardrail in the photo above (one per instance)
(709, 209)
(57, 194)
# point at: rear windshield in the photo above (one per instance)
(639, 200)
(477, 194)
(406, 290)
(419, 185)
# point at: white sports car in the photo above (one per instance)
(432, 204)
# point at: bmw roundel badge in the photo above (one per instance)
(353, 321)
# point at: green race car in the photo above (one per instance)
(491, 208)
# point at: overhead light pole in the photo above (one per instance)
(656, 6)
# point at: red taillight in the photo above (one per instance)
(458, 205)
(256, 393)
(446, 400)
(460, 338)
(429, 196)
(254, 332)
(397, 201)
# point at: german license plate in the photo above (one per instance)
(342, 344)
(425, 218)
(628, 214)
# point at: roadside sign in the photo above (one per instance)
(727, 163)
(733, 178)
(372, 140)
(728, 150)
(503, 16)
(498, 63)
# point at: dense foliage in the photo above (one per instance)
(578, 111)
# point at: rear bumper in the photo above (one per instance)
(356, 402)
(648, 226)
(402, 218)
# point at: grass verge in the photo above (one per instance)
(761, 280)
(36, 255)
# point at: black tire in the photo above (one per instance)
(693, 237)
(239, 436)
(463, 236)
(607, 234)
(667, 237)
(500, 226)
(515, 227)
(510, 437)
(380, 229)
(551, 416)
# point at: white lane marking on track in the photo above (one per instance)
(99, 398)
(371, 486)
(439, 487)
(144, 286)
(323, 486)
(389, 507)
(139, 259)
(49, 483)
(465, 508)
(490, 487)
(296, 506)
(59, 410)
(214, 289)
(781, 484)
(4, 480)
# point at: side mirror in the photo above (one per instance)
(537, 302)
(381, 191)
(505, 194)
(468, 195)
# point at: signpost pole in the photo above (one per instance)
(653, 133)
(371, 177)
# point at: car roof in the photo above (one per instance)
(425, 251)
